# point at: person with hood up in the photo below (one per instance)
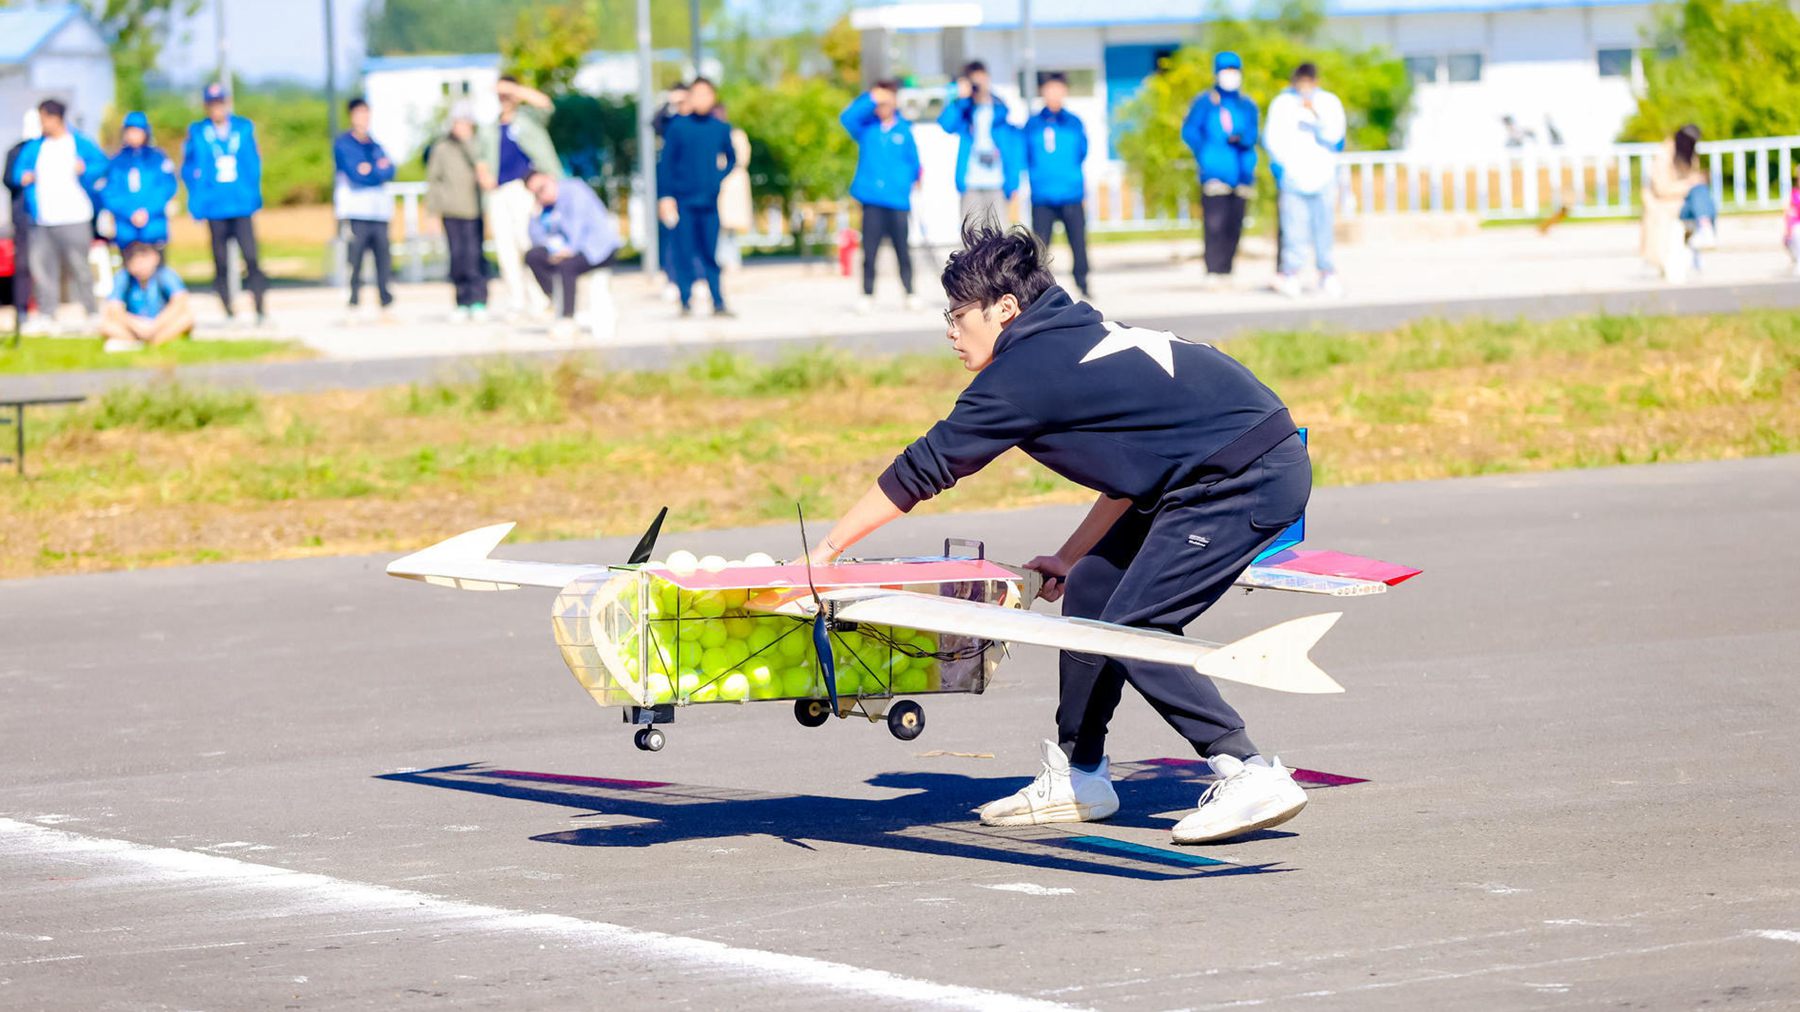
(1198, 466)
(1056, 145)
(453, 193)
(887, 173)
(138, 186)
(989, 157)
(61, 173)
(222, 168)
(359, 196)
(1221, 131)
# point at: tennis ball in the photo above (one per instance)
(795, 642)
(659, 689)
(687, 683)
(709, 605)
(716, 660)
(799, 683)
(712, 634)
(910, 681)
(758, 559)
(668, 597)
(707, 693)
(734, 686)
(690, 630)
(763, 684)
(713, 563)
(762, 637)
(849, 683)
(738, 628)
(662, 656)
(734, 599)
(682, 562)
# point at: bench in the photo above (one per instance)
(17, 421)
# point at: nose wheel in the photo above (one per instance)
(650, 739)
(906, 720)
(812, 712)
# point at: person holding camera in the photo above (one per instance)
(989, 157)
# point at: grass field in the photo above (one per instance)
(56, 354)
(166, 474)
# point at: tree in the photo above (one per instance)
(1726, 65)
(136, 30)
(798, 150)
(478, 26)
(548, 43)
(1372, 83)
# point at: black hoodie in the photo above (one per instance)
(1131, 413)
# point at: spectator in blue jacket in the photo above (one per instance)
(988, 155)
(359, 196)
(223, 173)
(887, 173)
(61, 172)
(696, 156)
(138, 186)
(1221, 130)
(572, 234)
(1056, 146)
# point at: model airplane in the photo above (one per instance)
(847, 639)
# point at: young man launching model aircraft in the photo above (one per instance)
(1198, 466)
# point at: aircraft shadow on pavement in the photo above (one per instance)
(912, 822)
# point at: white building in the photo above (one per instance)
(409, 95)
(52, 51)
(1563, 69)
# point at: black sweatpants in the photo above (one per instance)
(888, 224)
(1074, 222)
(244, 231)
(368, 237)
(468, 274)
(1160, 570)
(1222, 218)
(697, 251)
(567, 270)
(21, 292)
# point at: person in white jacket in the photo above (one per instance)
(1304, 131)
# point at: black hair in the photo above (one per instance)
(1305, 72)
(134, 248)
(508, 79)
(996, 261)
(890, 83)
(356, 103)
(974, 66)
(1056, 77)
(700, 80)
(1686, 140)
(51, 107)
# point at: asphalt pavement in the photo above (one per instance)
(1562, 776)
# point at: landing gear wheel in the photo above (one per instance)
(906, 719)
(649, 739)
(812, 712)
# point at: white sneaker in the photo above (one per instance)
(913, 304)
(118, 344)
(1331, 287)
(1249, 796)
(1287, 285)
(565, 330)
(39, 325)
(1059, 794)
(865, 305)
(1704, 237)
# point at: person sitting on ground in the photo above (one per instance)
(572, 233)
(149, 304)
(1199, 468)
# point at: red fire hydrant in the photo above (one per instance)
(848, 242)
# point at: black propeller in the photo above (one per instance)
(647, 544)
(821, 631)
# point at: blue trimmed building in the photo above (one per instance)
(1564, 71)
(52, 51)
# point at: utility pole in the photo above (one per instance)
(1027, 55)
(224, 48)
(694, 33)
(647, 141)
(331, 102)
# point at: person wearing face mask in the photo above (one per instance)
(1305, 129)
(1221, 130)
(1198, 468)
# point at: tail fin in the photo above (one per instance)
(1276, 657)
(647, 544)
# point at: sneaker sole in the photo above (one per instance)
(1273, 820)
(1054, 814)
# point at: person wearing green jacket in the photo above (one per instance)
(453, 193)
(518, 146)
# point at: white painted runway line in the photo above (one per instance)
(283, 891)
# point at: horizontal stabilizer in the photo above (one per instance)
(1268, 578)
(1281, 665)
(462, 562)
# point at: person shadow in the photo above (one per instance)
(933, 815)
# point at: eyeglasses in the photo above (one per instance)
(954, 313)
